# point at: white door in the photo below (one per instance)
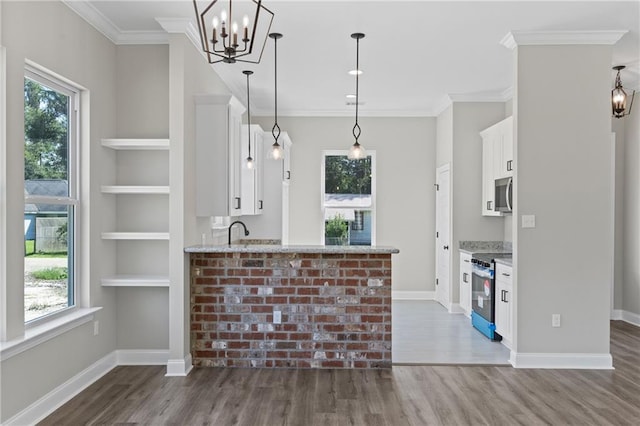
(443, 252)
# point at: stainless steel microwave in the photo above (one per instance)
(504, 195)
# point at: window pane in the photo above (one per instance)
(48, 259)
(347, 200)
(46, 146)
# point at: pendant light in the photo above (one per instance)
(357, 151)
(249, 162)
(276, 148)
(619, 96)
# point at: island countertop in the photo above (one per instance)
(272, 248)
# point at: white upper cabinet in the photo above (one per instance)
(252, 179)
(497, 161)
(218, 155)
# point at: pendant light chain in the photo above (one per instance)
(356, 127)
(249, 158)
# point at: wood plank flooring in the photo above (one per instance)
(404, 395)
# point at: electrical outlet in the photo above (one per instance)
(277, 317)
(555, 320)
(96, 328)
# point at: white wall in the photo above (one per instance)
(630, 294)
(67, 45)
(405, 150)
(618, 127)
(563, 176)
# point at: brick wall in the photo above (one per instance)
(336, 310)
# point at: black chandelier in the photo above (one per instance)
(619, 96)
(357, 151)
(220, 34)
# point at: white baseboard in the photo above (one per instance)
(413, 295)
(63, 393)
(142, 357)
(179, 367)
(564, 361)
(616, 315)
(629, 317)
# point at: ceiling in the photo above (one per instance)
(416, 57)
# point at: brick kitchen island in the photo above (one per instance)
(334, 304)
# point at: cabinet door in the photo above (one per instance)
(465, 282)
(488, 179)
(286, 163)
(507, 147)
(235, 160)
(259, 171)
(504, 306)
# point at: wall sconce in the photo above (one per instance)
(619, 97)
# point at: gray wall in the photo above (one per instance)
(630, 298)
(142, 112)
(563, 176)
(72, 48)
(405, 214)
(469, 118)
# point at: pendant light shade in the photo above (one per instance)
(619, 96)
(357, 151)
(249, 162)
(276, 148)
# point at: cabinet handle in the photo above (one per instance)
(465, 277)
(260, 205)
(466, 260)
(505, 296)
(238, 203)
(288, 175)
(506, 275)
(502, 295)
(489, 205)
(510, 165)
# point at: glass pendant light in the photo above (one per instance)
(357, 151)
(249, 162)
(276, 148)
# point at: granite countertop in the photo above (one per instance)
(471, 247)
(274, 248)
(507, 261)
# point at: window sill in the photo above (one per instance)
(41, 333)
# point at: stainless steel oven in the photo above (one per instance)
(483, 293)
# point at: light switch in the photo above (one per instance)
(528, 221)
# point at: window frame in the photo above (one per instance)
(372, 208)
(73, 178)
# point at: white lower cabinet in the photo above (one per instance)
(465, 282)
(504, 305)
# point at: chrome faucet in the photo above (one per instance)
(246, 231)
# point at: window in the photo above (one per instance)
(348, 203)
(51, 195)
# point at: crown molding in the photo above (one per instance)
(534, 38)
(95, 18)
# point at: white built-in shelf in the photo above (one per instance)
(136, 144)
(134, 189)
(136, 281)
(135, 235)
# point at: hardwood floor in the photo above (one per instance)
(405, 395)
(440, 337)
